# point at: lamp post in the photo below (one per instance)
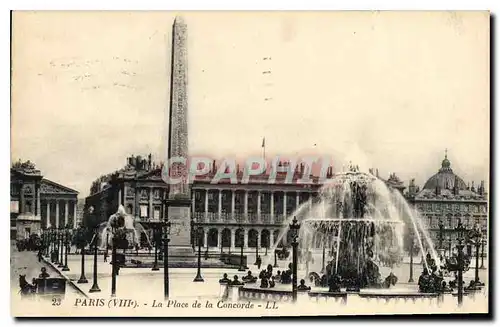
(256, 251)
(323, 257)
(66, 246)
(476, 241)
(52, 245)
(199, 236)
(441, 235)
(50, 242)
(275, 259)
(165, 258)
(449, 246)
(82, 236)
(242, 266)
(412, 243)
(58, 246)
(113, 262)
(156, 238)
(95, 287)
(483, 243)
(61, 246)
(460, 246)
(294, 226)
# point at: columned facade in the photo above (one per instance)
(232, 214)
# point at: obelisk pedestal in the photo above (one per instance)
(179, 215)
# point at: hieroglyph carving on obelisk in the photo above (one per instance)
(178, 128)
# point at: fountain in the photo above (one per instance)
(361, 223)
(132, 228)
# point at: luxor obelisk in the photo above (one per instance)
(179, 199)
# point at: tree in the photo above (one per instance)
(80, 237)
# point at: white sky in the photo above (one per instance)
(387, 90)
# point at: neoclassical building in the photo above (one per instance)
(138, 186)
(252, 213)
(446, 198)
(38, 203)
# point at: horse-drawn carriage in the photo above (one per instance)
(43, 287)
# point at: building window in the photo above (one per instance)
(156, 213)
(144, 211)
(28, 207)
(14, 206)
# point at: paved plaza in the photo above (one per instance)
(138, 282)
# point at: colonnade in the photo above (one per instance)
(59, 223)
(215, 210)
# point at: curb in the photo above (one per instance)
(69, 281)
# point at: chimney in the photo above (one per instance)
(481, 189)
(472, 188)
(377, 173)
(213, 167)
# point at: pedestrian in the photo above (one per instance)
(39, 254)
(106, 256)
(259, 262)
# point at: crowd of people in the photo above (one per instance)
(268, 278)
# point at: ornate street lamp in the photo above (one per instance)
(66, 246)
(114, 239)
(294, 226)
(82, 240)
(52, 245)
(242, 266)
(199, 236)
(49, 241)
(483, 243)
(95, 286)
(61, 246)
(256, 251)
(441, 234)
(449, 246)
(323, 257)
(460, 246)
(275, 259)
(116, 222)
(166, 239)
(412, 244)
(156, 238)
(475, 237)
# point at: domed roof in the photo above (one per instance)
(445, 178)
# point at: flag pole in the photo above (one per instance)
(264, 148)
